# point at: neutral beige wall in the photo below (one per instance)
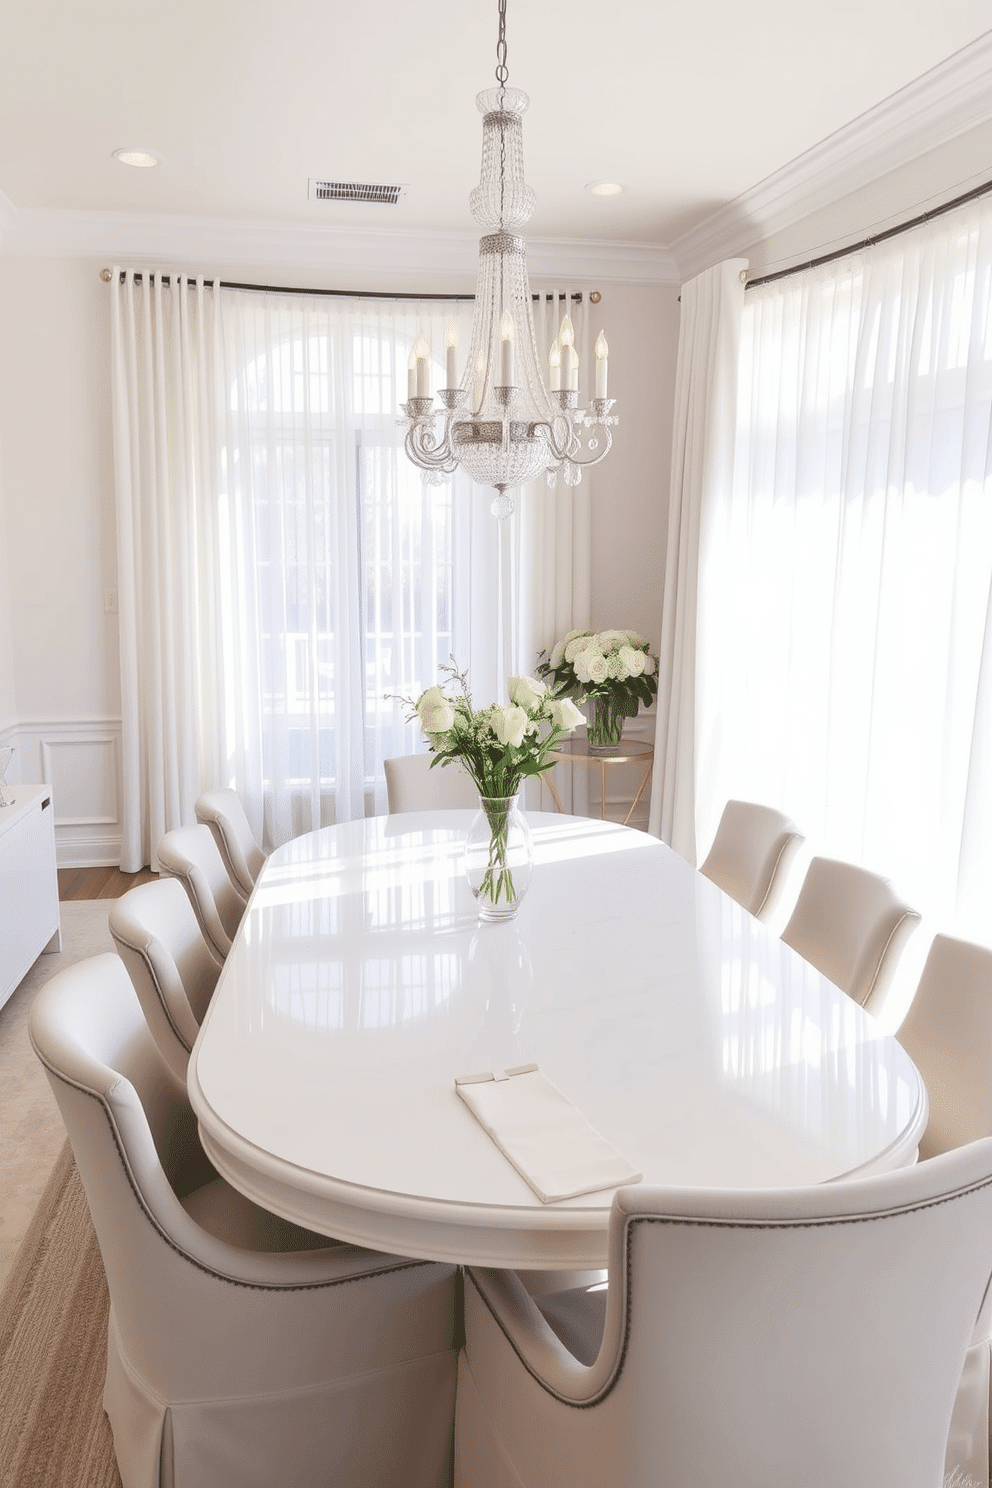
(8, 702)
(58, 488)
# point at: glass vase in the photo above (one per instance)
(605, 727)
(499, 857)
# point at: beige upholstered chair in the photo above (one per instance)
(752, 1338)
(223, 813)
(948, 1035)
(411, 785)
(173, 968)
(243, 1352)
(191, 855)
(852, 926)
(751, 854)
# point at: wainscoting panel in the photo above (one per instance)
(80, 760)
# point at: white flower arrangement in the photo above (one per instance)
(498, 746)
(615, 666)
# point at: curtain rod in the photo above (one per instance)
(357, 294)
(890, 232)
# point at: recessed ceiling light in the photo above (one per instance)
(141, 158)
(605, 188)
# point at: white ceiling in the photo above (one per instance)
(689, 102)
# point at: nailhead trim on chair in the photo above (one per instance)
(255, 1286)
(786, 1224)
(141, 951)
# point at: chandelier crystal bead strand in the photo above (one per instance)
(499, 421)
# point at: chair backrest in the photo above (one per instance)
(170, 963)
(411, 785)
(948, 1035)
(852, 926)
(223, 813)
(191, 855)
(814, 1335)
(751, 854)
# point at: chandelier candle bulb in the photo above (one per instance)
(554, 366)
(451, 355)
(422, 353)
(506, 350)
(602, 355)
(411, 376)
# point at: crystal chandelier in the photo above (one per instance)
(499, 421)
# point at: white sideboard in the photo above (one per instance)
(29, 887)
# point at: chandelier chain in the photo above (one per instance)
(501, 69)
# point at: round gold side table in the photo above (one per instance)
(576, 752)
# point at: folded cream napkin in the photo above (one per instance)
(545, 1137)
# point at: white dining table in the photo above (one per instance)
(361, 983)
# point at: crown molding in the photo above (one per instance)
(117, 237)
(950, 99)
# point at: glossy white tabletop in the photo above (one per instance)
(361, 983)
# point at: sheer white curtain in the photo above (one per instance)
(285, 572)
(702, 467)
(846, 664)
(162, 339)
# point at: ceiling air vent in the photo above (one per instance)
(356, 191)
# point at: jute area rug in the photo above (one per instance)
(54, 1303)
(53, 1348)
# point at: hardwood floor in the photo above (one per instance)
(99, 883)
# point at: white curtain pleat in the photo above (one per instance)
(702, 469)
(844, 672)
(159, 334)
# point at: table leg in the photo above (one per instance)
(547, 780)
(640, 791)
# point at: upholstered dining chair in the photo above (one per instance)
(852, 926)
(947, 1033)
(172, 966)
(243, 1351)
(745, 1337)
(223, 813)
(191, 855)
(411, 785)
(751, 854)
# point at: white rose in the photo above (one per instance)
(437, 717)
(608, 640)
(576, 646)
(598, 667)
(574, 634)
(509, 725)
(565, 715)
(557, 656)
(525, 692)
(632, 659)
(635, 639)
(581, 670)
(430, 698)
(649, 664)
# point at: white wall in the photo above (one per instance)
(58, 644)
(8, 709)
(58, 512)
